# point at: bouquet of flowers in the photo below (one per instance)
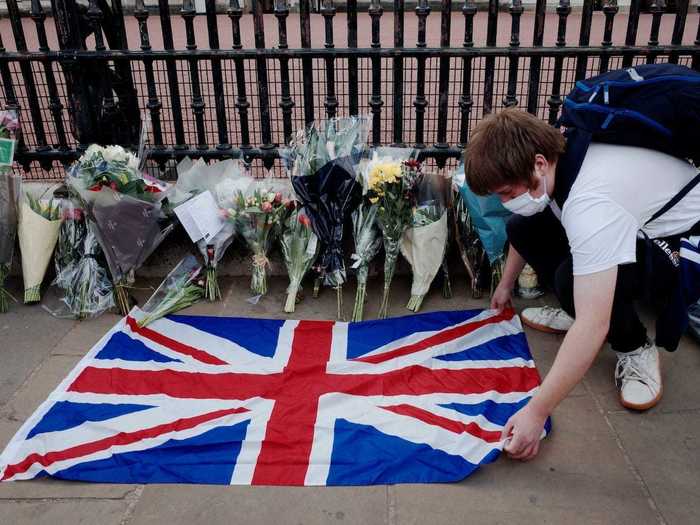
(488, 218)
(258, 215)
(423, 244)
(183, 287)
(322, 164)
(9, 199)
(367, 243)
(80, 269)
(300, 249)
(125, 209)
(391, 177)
(39, 222)
(470, 249)
(224, 180)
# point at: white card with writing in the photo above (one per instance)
(200, 217)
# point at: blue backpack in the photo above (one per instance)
(655, 106)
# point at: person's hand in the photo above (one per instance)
(525, 429)
(501, 298)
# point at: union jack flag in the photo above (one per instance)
(192, 399)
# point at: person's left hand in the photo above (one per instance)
(526, 428)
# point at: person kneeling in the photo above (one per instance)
(594, 245)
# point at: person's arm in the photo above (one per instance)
(593, 299)
(502, 294)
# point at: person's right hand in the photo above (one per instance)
(501, 298)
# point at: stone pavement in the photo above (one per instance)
(601, 464)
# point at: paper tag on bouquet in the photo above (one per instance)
(200, 217)
(7, 151)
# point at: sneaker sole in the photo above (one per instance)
(542, 327)
(644, 406)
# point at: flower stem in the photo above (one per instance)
(446, 284)
(212, 290)
(258, 283)
(291, 302)
(389, 268)
(415, 302)
(359, 308)
(33, 294)
(4, 294)
(339, 296)
(121, 298)
(317, 286)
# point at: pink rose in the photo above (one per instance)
(9, 121)
(278, 198)
(266, 207)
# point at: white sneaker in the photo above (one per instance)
(638, 374)
(547, 319)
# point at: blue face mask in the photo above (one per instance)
(526, 204)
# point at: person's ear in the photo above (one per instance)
(541, 165)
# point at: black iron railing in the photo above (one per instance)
(218, 85)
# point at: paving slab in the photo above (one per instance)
(37, 388)
(42, 489)
(27, 335)
(679, 372)
(63, 512)
(665, 448)
(580, 476)
(177, 504)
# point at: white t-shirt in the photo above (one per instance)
(617, 190)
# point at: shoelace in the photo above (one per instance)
(628, 370)
(550, 312)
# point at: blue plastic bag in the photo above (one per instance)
(488, 216)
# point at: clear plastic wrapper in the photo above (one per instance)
(87, 290)
(9, 204)
(368, 241)
(225, 180)
(390, 178)
(300, 249)
(183, 287)
(322, 164)
(9, 200)
(125, 210)
(258, 216)
(423, 244)
(39, 222)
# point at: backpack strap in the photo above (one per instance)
(676, 198)
(569, 163)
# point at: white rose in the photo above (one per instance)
(114, 154)
(270, 197)
(133, 161)
(93, 149)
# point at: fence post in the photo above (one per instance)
(83, 117)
